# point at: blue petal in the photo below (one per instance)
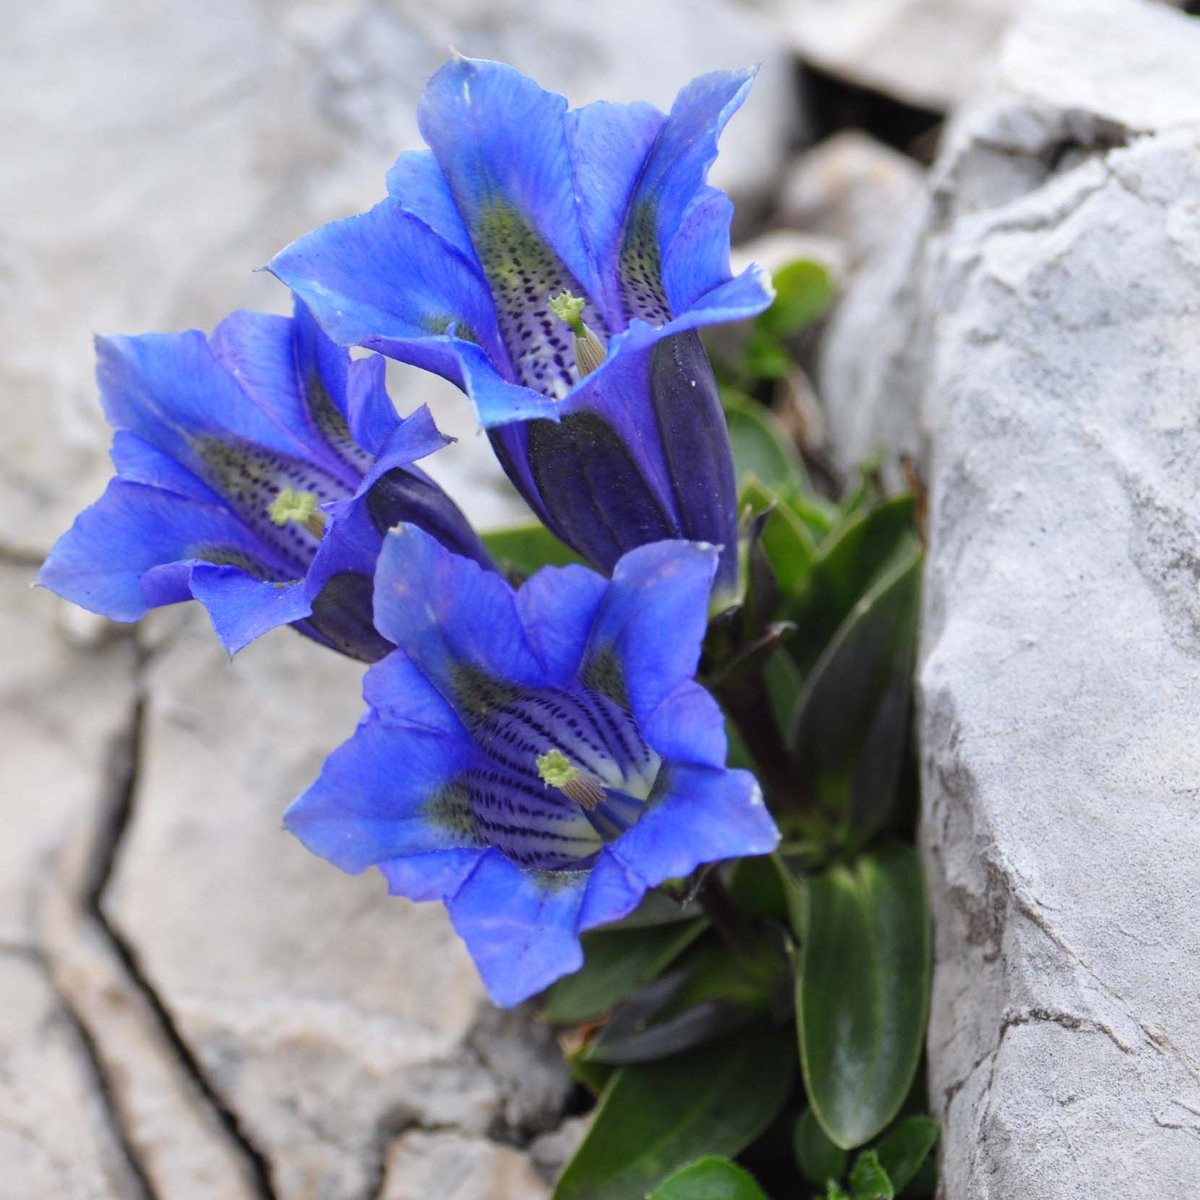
(445, 612)
(614, 890)
(136, 461)
(169, 389)
(705, 816)
(501, 140)
(521, 928)
(671, 183)
(385, 793)
(100, 562)
(688, 726)
(596, 485)
(369, 410)
(432, 876)
(400, 694)
(243, 608)
(416, 182)
(695, 446)
(653, 619)
(557, 607)
(609, 144)
(385, 280)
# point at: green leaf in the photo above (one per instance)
(593, 1075)
(905, 1147)
(851, 722)
(817, 1157)
(786, 539)
(652, 1120)
(862, 990)
(709, 1178)
(868, 1179)
(765, 357)
(616, 963)
(761, 445)
(850, 560)
(803, 290)
(707, 996)
(524, 548)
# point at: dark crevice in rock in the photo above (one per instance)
(119, 815)
(835, 104)
(103, 1087)
(390, 1128)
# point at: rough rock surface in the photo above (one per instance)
(1034, 334)
(451, 1166)
(849, 189)
(926, 52)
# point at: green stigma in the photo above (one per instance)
(301, 507)
(589, 349)
(569, 310)
(555, 769)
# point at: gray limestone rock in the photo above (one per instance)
(849, 188)
(64, 723)
(1033, 336)
(926, 52)
(452, 1166)
(325, 1014)
(55, 1140)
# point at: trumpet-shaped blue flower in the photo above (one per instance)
(256, 471)
(537, 759)
(556, 265)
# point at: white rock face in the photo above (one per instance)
(1034, 333)
(54, 1140)
(849, 188)
(926, 52)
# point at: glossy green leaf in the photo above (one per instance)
(524, 548)
(654, 1119)
(761, 445)
(616, 963)
(705, 997)
(862, 990)
(817, 1157)
(709, 1178)
(786, 539)
(868, 1180)
(803, 291)
(851, 559)
(905, 1147)
(851, 724)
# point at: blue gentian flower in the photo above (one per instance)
(556, 264)
(537, 759)
(256, 472)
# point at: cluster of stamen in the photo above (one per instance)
(300, 507)
(589, 349)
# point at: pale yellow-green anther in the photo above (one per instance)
(301, 507)
(556, 769)
(589, 349)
